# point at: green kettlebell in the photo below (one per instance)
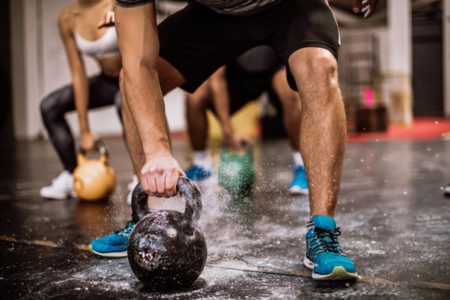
(236, 171)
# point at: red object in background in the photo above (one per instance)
(369, 98)
(422, 129)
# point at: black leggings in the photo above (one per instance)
(103, 91)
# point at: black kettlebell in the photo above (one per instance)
(166, 249)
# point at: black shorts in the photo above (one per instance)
(197, 41)
(244, 87)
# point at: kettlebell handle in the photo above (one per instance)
(185, 187)
(99, 146)
(224, 154)
(244, 145)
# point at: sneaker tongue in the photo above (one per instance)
(324, 222)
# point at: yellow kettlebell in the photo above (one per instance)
(94, 179)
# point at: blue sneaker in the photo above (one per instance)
(300, 183)
(197, 173)
(324, 255)
(114, 244)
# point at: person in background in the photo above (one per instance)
(231, 87)
(446, 189)
(78, 27)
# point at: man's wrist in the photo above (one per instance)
(163, 149)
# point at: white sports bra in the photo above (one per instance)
(100, 48)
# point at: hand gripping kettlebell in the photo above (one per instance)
(94, 179)
(166, 249)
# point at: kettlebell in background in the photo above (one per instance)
(94, 179)
(236, 171)
(167, 250)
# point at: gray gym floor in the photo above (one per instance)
(393, 216)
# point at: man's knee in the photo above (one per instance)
(312, 67)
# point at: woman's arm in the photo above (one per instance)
(79, 79)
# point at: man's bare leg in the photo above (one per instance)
(291, 105)
(322, 133)
(196, 106)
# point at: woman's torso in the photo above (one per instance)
(101, 44)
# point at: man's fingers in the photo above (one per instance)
(366, 7)
(160, 180)
(171, 183)
(153, 185)
(357, 5)
(144, 183)
(161, 176)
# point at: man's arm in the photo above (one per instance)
(139, 46)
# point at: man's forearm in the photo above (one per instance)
(137, 34)
(147, 108)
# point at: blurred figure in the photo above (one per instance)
(230, 88)
(80, 35)
(446, 190)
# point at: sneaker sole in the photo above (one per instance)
(111, 254)
(338, 273)
(298, 191)
(55, 197)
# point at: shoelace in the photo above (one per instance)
(127, 230)
(327, 241)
